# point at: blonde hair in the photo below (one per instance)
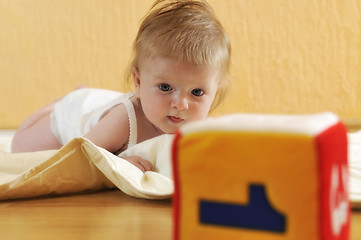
(188, 31)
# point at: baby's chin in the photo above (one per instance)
(173, 130)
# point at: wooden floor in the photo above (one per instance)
(104, 215)
(356, 225)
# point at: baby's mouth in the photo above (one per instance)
(175, 119)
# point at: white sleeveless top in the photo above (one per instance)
(79, 111)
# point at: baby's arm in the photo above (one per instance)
(112, 131)
(112, 134)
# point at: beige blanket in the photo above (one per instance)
(354, 157)
(81, 166)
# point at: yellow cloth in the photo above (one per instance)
(81, 166)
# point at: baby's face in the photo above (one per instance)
(174, 93)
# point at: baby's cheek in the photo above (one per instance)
(201, 114)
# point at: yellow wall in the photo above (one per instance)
(289, 56)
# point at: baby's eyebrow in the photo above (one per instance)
(161, 78)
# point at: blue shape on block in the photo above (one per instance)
(257, 215)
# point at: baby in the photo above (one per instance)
(179, 70)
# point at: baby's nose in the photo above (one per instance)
(180, 102)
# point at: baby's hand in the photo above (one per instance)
(139, 162)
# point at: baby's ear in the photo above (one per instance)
(136, 77)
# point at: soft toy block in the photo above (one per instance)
(257, 177)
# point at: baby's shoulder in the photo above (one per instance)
(118, 112)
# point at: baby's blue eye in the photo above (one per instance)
(197, 92)
(165, 87)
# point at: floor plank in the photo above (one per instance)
(103, 215)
